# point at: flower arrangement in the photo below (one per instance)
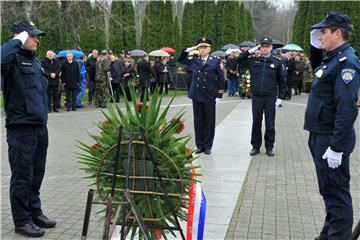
(245, 85)
(172, 157)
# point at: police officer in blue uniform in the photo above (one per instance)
(206, 89)
(330, 115)
(26, 108)
(268, 77)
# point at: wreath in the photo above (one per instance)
(170, 153)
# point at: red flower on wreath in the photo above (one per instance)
(106, 123)
(189, 150)
(181, 124)
(244, 81)
(140, 106)
(96, 145)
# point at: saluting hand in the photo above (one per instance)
(22, 36)
(254, 49)
(315, 39)
(190, 49)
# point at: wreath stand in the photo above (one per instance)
(128, 201)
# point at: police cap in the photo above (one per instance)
(334, 19)
(204, 42)
(27, 26)
(266, 41)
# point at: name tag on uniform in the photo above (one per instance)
(272, 65)
(347, 75)
(319, 73)
(26, 63)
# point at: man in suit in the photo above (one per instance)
(206, 89)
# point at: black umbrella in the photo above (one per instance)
(247, 44)
(277, 44)
(229, 46)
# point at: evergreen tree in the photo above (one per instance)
(187, 25)
(299, 22)
(167, 33)
(152, 25)
(176, 35)
(209, 21)
(11, 12)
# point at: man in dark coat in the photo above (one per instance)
(162, 71)
(116, 69)
(90, 69)
(145, 71)
(206, 88)
(25, 105)
(52, 67)
(70, 76)
(298, 75)
(127, 76)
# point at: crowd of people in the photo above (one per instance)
(106, 76)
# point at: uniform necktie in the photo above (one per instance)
(203, 61)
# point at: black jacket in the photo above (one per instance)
(91, 68)
(70, 74)
(116, 70)
(145, 71)
(231, 64)
(52, 66)
(331, 107)
(25, 86)
(126, 79)
(268, 75)
(162, 72)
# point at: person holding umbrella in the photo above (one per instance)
(206, 88)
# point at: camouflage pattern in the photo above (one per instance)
(101, 81)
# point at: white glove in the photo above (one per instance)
(315, 39)
(333, 158)
(217, 100)
(278, 102)
(190, 49)
(22, 36)
(254, 49)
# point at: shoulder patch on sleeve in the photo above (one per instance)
(347, 75)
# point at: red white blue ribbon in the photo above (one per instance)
(196, 212)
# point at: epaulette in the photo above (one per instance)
(342, 59)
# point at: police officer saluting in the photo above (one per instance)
(206, 88)
(26, 108)
(330, 115)
(268, 76)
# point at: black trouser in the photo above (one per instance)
(27, 157)
(334, 187)
(161, 86)
(53, 97)
(289, 87)
(298, 86)
(144, 90)
(204, 124)
(70, 97)
(263, 105)
(91, 91)
(116, 91)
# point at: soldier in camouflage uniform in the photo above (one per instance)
(101, 80)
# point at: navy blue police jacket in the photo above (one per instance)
(331, 108)
(267, 75)
(25, 86)
(208, 80)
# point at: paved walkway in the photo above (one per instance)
(248, 198)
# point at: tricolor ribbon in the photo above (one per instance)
(196, 211)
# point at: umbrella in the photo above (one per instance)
(76, 53)
(169, 50)
(137, 53)
(228, 46)
(247, 44)
(292, 47)
(229, 51)
(218, 54)
(277, 44)
(159, 53)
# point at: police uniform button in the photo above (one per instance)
(203, 87)
(204, 80)
(198, 78)
(199, 71)
(197, 85)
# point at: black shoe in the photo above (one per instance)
(44, 222)
(207, 151)
(270, 153)
(74, 109)
(56, 110)
(49, 110)
(199, 151)
(254, 152)
(29, 230)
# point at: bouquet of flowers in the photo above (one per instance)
(245, 84)
(169, 151)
